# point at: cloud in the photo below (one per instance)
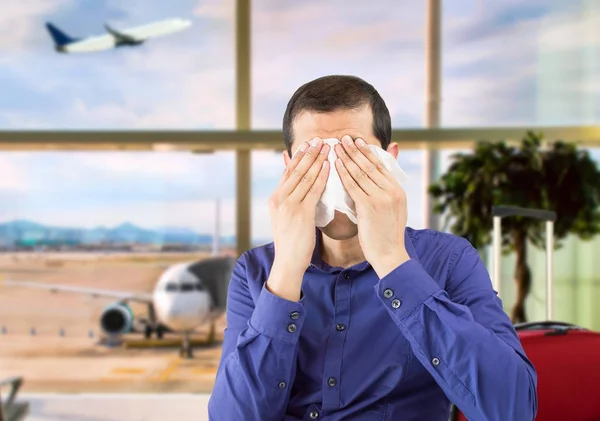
(13, 177)
(175, 165)
(19, 22)
(535, 81)
(299, 42)
(190, 83)
(219, 11)
(503, 62)
(184, 82)
(146, 95)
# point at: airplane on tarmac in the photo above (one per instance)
(186, 296)
(64, 43)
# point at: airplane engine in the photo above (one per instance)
(117, 319)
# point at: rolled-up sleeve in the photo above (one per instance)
(463, 337)
(260, 347)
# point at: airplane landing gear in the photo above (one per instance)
(149, 330)
(211, 334)
(186, 347)
(152, 325)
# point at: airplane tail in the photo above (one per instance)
(59, 37)
(215, 274)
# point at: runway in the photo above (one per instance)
(53, 340)
(117, 407)
(68, 365)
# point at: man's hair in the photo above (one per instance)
(333, 93)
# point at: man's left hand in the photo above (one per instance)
(380, 204)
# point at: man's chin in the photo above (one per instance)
(340, 228)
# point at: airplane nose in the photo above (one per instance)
(174, 313)
(180, 319)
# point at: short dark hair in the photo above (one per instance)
(338, 92)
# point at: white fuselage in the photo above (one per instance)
(180, 300)
(139, 34)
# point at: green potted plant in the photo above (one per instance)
(557, 176)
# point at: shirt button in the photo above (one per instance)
(346, 275)
(291, 328)
(396, 303)
(282, 385)
(435, 361)
(339, 327)
(331, 382)
(388, 293)
(314, 415)
(294, 315)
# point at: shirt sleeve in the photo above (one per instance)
(463, 337)
(260, 347)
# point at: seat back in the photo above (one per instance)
(10, 408)
(568, 370)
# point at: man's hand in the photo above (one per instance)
(293, 210)
(380, 205)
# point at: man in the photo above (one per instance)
(373, 321)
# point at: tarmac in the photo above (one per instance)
(120, 407)
(79, 365)
(68, 374)
(53, 342)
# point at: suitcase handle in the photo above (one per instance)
(553, 328)
(548, 324)
(542, 214)
(499, 212)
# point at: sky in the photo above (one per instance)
(504, 63)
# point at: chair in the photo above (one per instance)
(11, 409)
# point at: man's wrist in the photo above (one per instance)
(386, 264)
(285, 282)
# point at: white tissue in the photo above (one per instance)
(335, 197)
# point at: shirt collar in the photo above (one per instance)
(317, 260)
(318, 263)
(408, 244)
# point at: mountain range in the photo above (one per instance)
(29, 232)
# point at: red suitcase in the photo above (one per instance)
(566, 357)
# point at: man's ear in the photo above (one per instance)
(393, 149)
(286, 158)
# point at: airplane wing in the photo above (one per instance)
(154, 29)
(120, 36)
(104, 293)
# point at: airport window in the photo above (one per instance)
(294, 42)
(187, 62)
(486, 84)
(384, 46)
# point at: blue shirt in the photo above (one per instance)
(356, 347)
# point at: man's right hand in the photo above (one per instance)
(293, 207)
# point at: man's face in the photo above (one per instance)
(336, 124)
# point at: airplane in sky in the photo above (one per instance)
(64, 43)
